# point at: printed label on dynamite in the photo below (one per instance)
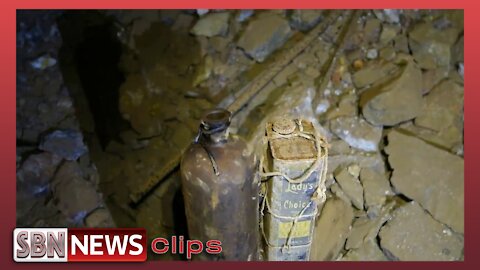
(293, 198)
(79, 245)
(301, 229)
(289, 200)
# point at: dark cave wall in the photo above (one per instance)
(57, 184)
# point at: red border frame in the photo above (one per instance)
(7, 114)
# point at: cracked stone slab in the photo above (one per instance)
(413, 235)
(431, 176)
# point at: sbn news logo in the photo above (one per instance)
(79, 245)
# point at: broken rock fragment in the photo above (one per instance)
(368, 251)
(372, 30)
(331, 230)
(347, 106)
(376, 188)
(447, 139)
(388, 53)
(351, 186)
(263, 35)
(212, 24)
(443, 108)
(431, 45)
(431, 176)
(36, 172)
(365, 229)
(335, 189)
(401, 44)
(75, 196)
(432, 77)
(67, 144)
(371, 74)
(388, 34)
(398, 101)
(373, 160)
(33, 182)
(305, 19)
(413, 235)
(357, 132)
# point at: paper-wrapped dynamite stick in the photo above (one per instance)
(293, 168)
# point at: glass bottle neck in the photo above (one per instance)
(216, 138)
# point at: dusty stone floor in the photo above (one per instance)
(388, 93)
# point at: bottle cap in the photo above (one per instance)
(284, 126)
(215, 120)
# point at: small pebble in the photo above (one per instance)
(372, 54)
(354, 170)
(358, 64)
(43, 62)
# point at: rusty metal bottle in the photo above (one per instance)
(220, 190)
